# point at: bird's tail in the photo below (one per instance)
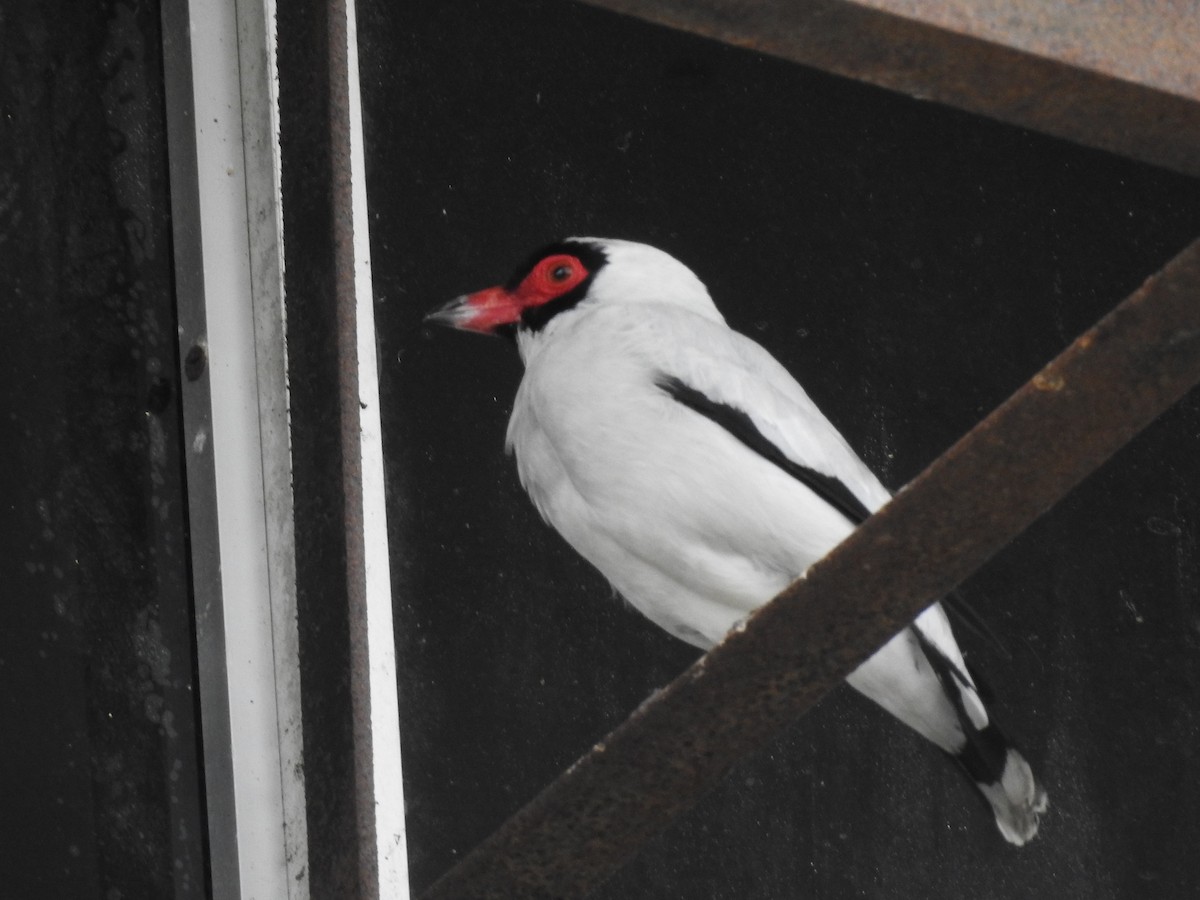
(993, 763)
(1016, 798)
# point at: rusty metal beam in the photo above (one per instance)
(974, 499)
(1122, 77)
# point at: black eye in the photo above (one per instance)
(560, 273)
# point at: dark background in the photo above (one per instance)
(100, 791)
(912, 265)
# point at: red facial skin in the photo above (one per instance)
(494, 307)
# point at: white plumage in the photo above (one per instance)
(675, 455)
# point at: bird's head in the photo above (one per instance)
(573, 275)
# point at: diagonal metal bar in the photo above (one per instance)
(1108, 74)
(974, 499)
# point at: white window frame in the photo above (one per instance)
(224, 152)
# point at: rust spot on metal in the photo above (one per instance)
(1049, 381)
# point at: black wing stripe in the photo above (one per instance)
(742, 427)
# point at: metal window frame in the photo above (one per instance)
(224, 149)
(228, 288)
(391, 847)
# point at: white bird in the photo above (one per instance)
(683, 461)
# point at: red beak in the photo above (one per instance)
(484, 311)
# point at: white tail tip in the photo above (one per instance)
(1017, 799)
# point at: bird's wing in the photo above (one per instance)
(664, 443)
(746, 390)
(737, 384)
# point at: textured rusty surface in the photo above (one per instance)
(1118, 76)
(1150, 42)
(969, 503)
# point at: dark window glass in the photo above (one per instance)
(912, 265)
(99, 781)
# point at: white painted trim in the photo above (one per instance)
(391, 842)
(229, 280)
(261, 150)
